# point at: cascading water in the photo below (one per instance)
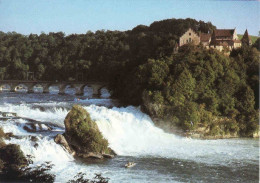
(132, 135)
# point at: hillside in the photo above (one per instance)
(253, 38)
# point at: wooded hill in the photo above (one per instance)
(98, 55)
(196, 85)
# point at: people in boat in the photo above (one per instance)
(130, 164)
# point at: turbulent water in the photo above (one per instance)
(160, 157)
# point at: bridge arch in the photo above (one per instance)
(52, 88)
(105, 93)
(70, 89)
(5, 87)
(21, 87)
(38, 88)
(93, 90)
(83, 90)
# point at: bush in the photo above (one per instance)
(38, 173)
(80, 178)
(157, 97)
(81, 130)
(13, 155)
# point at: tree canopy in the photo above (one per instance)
(196, 84)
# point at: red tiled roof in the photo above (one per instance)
(223, 43)
(237, 41)
(205, 37)
(224, 32)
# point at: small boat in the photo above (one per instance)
(130, 164)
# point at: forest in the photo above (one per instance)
(195, 85)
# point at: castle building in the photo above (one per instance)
(205, 39)
(220, 39)
(225, 38)
(188, 37)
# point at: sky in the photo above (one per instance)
(80, 16)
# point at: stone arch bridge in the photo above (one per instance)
(78, 85)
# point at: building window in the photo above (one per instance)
(189, 39)
(189, 34)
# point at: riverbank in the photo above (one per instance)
(200, 133)
(164, 117)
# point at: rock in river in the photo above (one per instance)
(83, 136)
(60, 139)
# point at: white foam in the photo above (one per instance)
(56, 115)
(129, 132)
(132, 133)
(47, 150)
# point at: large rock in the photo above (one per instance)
(90, 155)
(8, 114)
(83, 135)
(60, 139)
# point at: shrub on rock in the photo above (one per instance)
(83, 133)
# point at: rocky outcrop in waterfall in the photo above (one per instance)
(60, 139)
(83, 136)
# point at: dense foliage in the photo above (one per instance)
(81, 130)
(193, 88)
(200, 88)
(257, 44)
(39, 173)
(81, 178)
(98, 56)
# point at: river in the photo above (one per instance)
(160, 156)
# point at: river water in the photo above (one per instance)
(160, 157)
